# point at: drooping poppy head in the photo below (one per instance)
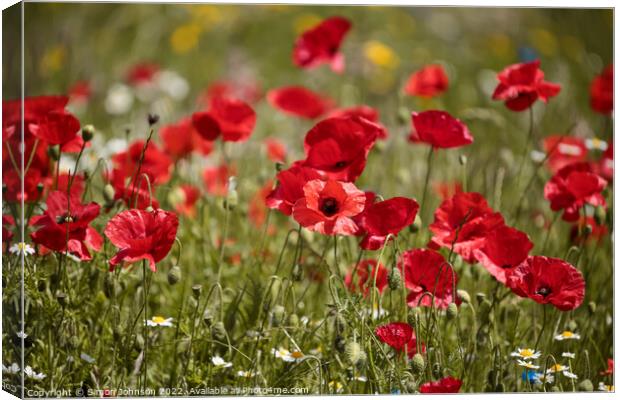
(338, 147)
(503, 249)
(520, 85)
(430, 81)
(233, 119)
(425, 270)
(444, 385)
(564, 150)
(142, 235)
(384, 218)
(290, 188)
(328, 207)
(462, 223)
(548, 280)
(362, 111)
(156, 164)
(180, 140)
(45, 118)
(321, 44)
(572, 187)
(299, 101)
(439, 129)
(364, 278)
(602, 91)
(276, 150)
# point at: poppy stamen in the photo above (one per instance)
(544, 291)
(329, 206)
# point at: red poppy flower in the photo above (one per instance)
(142, 73)
(564, 150)
(233, 119)
(426, 270)
(444, 385)
(439, 129)
(142, 235)
(504, 248)
(577, 230)
(80, 92)
(384, 218)
(12, 182)
(572, 187)
(397, 335)
(321, 44)
(338, 147)
(276, 151)
(8, 223)
(216, 179)
(290, 188)
(299, 101)
(602, 91)
(365, 277)
(520, 85)
(610, 367)
(445, 190)
(548, 280)
(45, 118)
(65, 225)
(156, 164)
(245, 89)
(605, 165)
(77, 186)
(257, 210)
(134, 196)
(185, 198)
(429, 81)
(462, 223)
(181, 139)
(74, 145)
(362, 111)
(327, 207)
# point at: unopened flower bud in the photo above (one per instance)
(587, 230)
(404, 115)
(218, 331)
(196, 290)
(592, 307)
(292, 321)
(277, 315)
(417, 225)
(139, 343)
(174, 275)
(463, 159)
(394, 279)
(585, 386)
(463, 295)
(61, 297)
(480, 297)
(88, 131)
(437, 371)
(108, 193)
(417, 363)
(452, 311)
(207, 317)
(572, 325)
(297, 272)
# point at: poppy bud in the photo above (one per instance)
(88, 131)
(277, 315)
(139, 343)
(592, 307)
(40, 187)
(572, 325)
(417, 224)
(54, 152)
(353, 351)
(404, 116)
(480, 297)
(196, 290)
(149, 209)
(463, 159)
(452, 311)
(279, 166)
(108, 193)
(61, 297)
(394, 279)
(417, 363)
(340, 324)
(292, 321)
(412, 315)
(463, 295)
(600, 215)
(484, 311)
(152, 119)
(585, 386)
(297, 272)
(207, 317)
(174, 275)
(218, 331)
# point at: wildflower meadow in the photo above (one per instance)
(298, 200)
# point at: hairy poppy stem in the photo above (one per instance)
(429, 162)
(542, 330)
(530, 135)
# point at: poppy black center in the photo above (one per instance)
(544, 291)
(340, 164)
(506, 266)
(66, 218)
(329, 206)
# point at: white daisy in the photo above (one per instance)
(567, 335)
(22, 335)
(605, 388)
(557, 368)
(568, 355)
(596, 144)
(219, 362)
(527, 364)
(11, 369)
(543, 378)
(287, 356)
(31, 374)
(526, 353)
(22, 247)
(569, 374)
(159, 321)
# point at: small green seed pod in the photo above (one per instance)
(174, 275)
(394, 279)
(88, 132)
(207, 317)
(108, 193)
(480, 297)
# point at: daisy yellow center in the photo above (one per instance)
(297, 354)
(21, 246)
(596, 143)
(557, 368)
(527, 352)
(567, 334)
(158, 320)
